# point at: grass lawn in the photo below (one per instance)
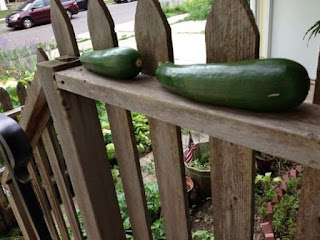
(4, 13)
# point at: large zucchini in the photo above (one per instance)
(259, 85)
(119, 62)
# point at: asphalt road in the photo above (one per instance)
(10, 38)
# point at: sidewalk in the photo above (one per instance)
(187, 37)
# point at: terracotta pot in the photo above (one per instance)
(189, 184)
(200, 177)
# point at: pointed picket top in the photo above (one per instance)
(63, 30)
(101, 26)
(153, 35)
(41, 55)
(231, 32)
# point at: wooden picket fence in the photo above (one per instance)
(69, 91)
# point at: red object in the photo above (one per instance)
(266, 228)
(284, 186)
(191, 147)
(33, 12)
(285, 177)
(279, 192)
(269, 236)
(293, 173)
(299, 168)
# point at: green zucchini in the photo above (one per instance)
(259, 85)
(119, 62)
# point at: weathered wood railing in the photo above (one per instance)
(50, 178)
(71, 90)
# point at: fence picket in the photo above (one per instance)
(101, 26)
(93, 183)
(35, 114)
(122, 130)
(44, 170)
(5, 100)
(231, 35)
(56, 162)
(22, 93)
(63, 30)
(153, 35)
(308, 219)
(168, 158)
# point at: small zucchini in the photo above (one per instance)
(119, 62)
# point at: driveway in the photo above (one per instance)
(10, 38)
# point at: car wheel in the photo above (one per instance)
(27, 23)
(69, 13)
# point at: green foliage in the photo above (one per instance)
(154, 209)
(285, 212)
(314, 30)
(13, 234)
(4, 13)
(203, 163)
(170, 11)
(202, 235)
(141, 131)
(265, 191)
(197, 9)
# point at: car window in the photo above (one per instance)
(46, 2)
(38, 4)
(25, 6)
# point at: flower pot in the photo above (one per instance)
(200, 177)
(264, 162)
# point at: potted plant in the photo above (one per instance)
(198, 168)
(264, 162)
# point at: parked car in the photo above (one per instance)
(120, 1)
(34, 12)
(82, 4)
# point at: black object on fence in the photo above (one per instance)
(17, 152)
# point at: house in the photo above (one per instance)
(282, 25)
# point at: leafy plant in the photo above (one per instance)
(202, 235)
(285, 212)
(203, 163)
(265, 191)
(314, 30)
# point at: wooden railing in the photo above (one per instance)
(70, 91)
(49, 175)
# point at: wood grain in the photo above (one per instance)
(44, 170)
(101, 26)
(129, 166)
(43, 200)
(93, 183)
(231, 33)
(295, 134)
(122, 130)
(51, 145)
(63, 30)
(153, 35)
(167, 151)
(5, 100)
(232, 190)
(22, 217)
(35, 114)
(22, 93)
(308, 219)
